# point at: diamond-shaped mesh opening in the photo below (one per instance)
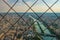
(21, 7)
(28, 17)
(38, 7)
(22, 23)
(12, 17)
(49, 17)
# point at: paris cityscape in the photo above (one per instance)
(29, 19)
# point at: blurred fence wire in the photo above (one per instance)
(4, 35)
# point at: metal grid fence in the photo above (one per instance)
(21, 18)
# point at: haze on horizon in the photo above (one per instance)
(21, 7)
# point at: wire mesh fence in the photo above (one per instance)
(23, 26)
